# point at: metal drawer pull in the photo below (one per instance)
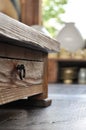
(21, 71)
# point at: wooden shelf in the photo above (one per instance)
(59, 59)
(55, 65)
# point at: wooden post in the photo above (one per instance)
(31, 12)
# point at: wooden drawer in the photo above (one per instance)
(13, 86)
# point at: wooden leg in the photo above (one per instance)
(39, 103)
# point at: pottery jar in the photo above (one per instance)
(70, 38)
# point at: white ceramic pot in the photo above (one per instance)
(70, 38)
(82, 76)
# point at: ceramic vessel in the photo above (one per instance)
(82, 76)
(70, 38)
(68, 74)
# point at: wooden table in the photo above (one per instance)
(23, 61)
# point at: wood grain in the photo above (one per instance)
(44, 93)
(16, 93)
(12, 51)
(9, 76)
(21, 44)
(12, 87)
(25, 36)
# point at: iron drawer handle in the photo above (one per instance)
(21, 71)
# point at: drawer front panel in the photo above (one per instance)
(11, 51)
(9, 75)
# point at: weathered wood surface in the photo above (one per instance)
(24, 35)
(12, 51)
(9, 76)
(43, 95)
(15, 93)
(12, 87)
